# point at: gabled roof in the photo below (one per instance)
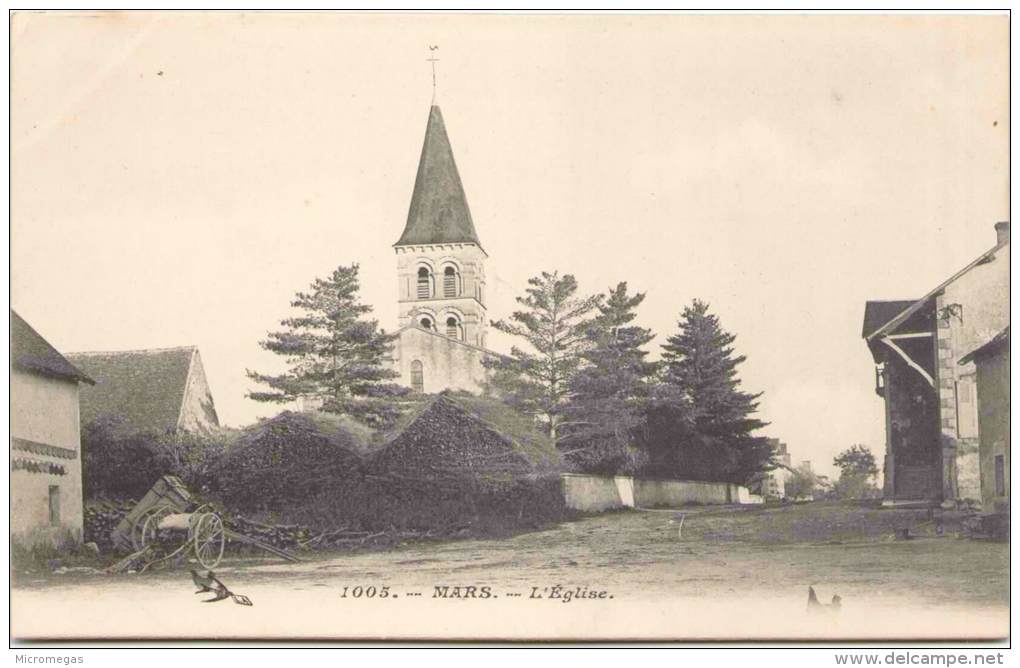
(877, 313)
(896, 321)
(439, 210)
(990, 347)
(461, 434)
(31, 352)
(143, 390)
(416, 328)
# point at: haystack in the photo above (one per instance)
(289, 459)
(453, 437)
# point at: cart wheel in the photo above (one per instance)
(210, 540)
(144, 532)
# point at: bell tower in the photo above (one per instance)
(440, 261)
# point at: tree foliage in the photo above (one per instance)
(553, 322)
(334, 353)
(701, 424)
(610, 391)
(857, 473)
(856, 461)
(119, 464)
(804, 483)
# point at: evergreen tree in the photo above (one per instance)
(334, 353)
(553, 323)
(701, 425)
(857, 473)
(609, 393)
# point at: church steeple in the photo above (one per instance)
(440, 262)
(439, 210)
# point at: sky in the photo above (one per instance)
(176, 177)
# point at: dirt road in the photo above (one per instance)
(733, 573)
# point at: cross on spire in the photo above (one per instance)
(432, 59)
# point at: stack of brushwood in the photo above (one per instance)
(283, 536)
(294, 536)
(101, 517)
(348, 539)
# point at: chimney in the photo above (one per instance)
(1002, 232)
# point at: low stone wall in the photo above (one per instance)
(597, 493)
(590, 493)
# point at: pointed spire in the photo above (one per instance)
(439, 211)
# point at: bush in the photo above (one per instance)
(45, 553)
(851, 486)
(122, 465)
(607, 457)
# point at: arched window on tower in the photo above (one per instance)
(417, 376)
(424, 283)
(450, 282)
(426, 323)
(453, 328)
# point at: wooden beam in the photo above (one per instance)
(913, 335)
(906, 358)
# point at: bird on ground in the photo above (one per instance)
(203, 582)
(210, 583)
(814, 605)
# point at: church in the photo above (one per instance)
(440, 278)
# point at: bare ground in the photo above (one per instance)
(742, 571)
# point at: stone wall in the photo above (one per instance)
(590, 493)
(45, 453)
(971, 310)
(993, 401)
(446, 364)
(468, 306)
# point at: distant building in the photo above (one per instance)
(440, 278)
(148, 391)
(992, 362)
(930, 399)
(46, 484)
(773, 485)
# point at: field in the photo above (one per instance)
(734, 572)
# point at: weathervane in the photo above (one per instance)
(432, 59)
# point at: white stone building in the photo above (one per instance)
(46, 484)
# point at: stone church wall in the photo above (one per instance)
(446, 364)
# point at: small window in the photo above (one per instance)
(1000, 475)
(417, 376)
(54, 505)
(452, 328)
(966, 409)
(426, 323)
(424, 283)
(449, 282)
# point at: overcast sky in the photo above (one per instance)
(177, 177)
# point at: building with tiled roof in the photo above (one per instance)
(154, 391)
(45, 481)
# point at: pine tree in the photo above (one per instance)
(334, 353)
(554, 325)
(610, 391)
(701, 426)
